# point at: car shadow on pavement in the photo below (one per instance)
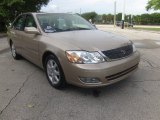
(100, 91)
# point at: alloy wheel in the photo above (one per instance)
(53, 72)
(13, 50)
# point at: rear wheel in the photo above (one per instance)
(13, 51)
(54, 72)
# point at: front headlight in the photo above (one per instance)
(134, 48)
(84, 57)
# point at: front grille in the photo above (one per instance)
(119, 52)
(120, 74)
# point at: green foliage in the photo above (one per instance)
(90, 15)
(147, 19)
(144, 19)
(9, 9)
(153, 4)
(5, 4)
(137, 19)
(119, 16)
(108, 18)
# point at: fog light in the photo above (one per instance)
(89, 80)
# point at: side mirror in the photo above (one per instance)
(94, 26)
(31, 30)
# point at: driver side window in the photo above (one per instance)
(19, 23)
(30, 22)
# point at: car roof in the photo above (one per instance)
(39, 13)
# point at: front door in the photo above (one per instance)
(30, 41)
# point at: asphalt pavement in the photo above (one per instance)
(3, 44)
(25, 93)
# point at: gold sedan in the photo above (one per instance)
(71, 50)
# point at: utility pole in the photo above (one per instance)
(115, 5)
(131, 19)
(123, 14)
(80, 12)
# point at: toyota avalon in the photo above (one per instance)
(71, 50)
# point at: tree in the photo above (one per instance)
(107, 18)
(104, 18)
(119, 17)
(110, 18)
(99, 19)
(9, 9)
(90, 15)
(5, 13)
(153, 4)
(143, 19)
(137, 19)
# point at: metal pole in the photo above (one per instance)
(115, 13)
(131, 19)
(123, 14)
(80, 11)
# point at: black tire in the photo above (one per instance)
(57, 77)
(14, 53)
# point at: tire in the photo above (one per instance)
(54, 72)
(13, 51)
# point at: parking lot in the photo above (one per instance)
(25, 93)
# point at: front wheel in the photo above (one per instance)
(54, 72)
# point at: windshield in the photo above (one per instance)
(59, 22)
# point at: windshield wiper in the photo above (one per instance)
(69, 29)
(77, 28)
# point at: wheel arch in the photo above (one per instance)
(44, 56)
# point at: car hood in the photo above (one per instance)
(89, 40)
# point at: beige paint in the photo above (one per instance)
(33, 46)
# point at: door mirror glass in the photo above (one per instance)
(31, 30)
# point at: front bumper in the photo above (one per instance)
(107, 72)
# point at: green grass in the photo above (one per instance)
(149, 29)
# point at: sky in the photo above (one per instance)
(100, 6)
